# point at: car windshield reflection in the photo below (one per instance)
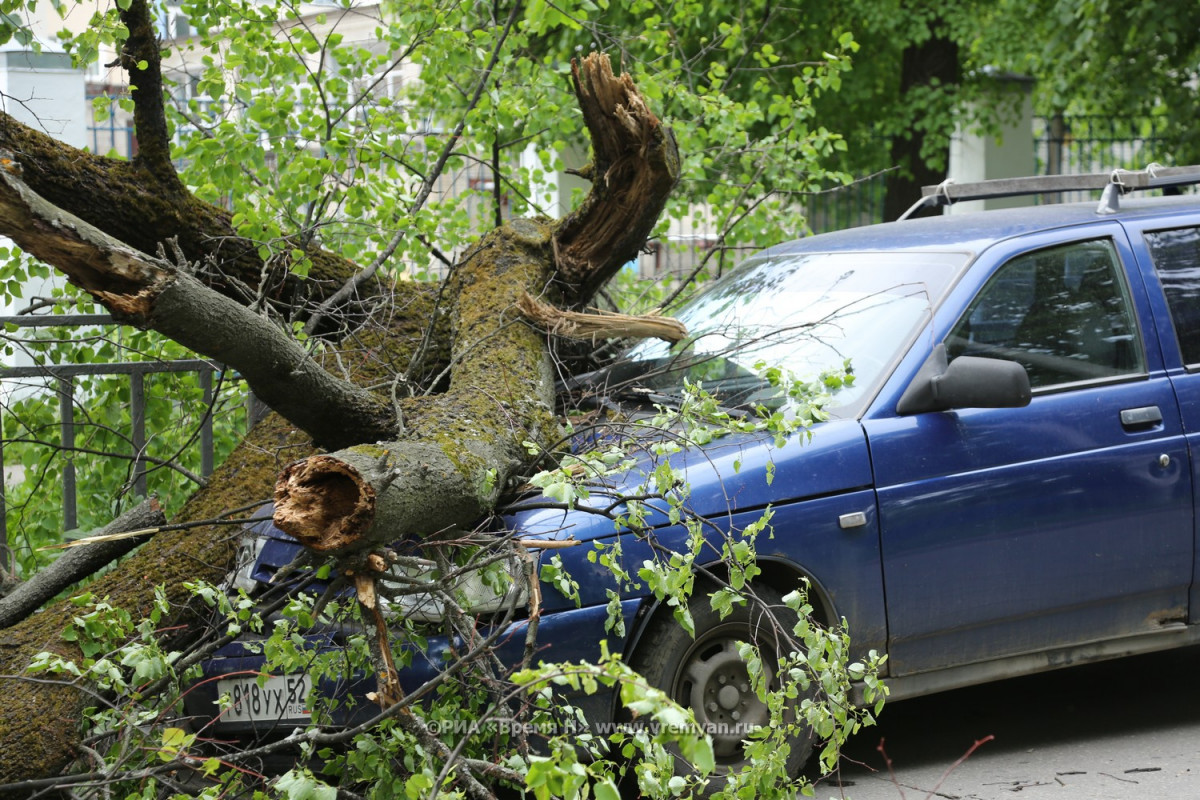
(803, 313)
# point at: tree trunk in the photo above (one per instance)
(501, 396)
(405, 466)
(933, 61)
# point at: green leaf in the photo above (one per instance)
(606, 790)
(301, 785)
(174, 742)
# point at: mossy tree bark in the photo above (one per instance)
(404, 467)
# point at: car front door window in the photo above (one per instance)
(1063, 313)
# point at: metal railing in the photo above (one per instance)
(111, 132)
(1072, 145)
(64, 376)
(860, 203)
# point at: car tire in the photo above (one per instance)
(707, 674)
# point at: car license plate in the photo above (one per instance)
(282, 698)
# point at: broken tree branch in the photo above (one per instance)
(80, 562)
(599, 324)
(132, 204)
(635, 165)
(152, 292)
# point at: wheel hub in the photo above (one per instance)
(729, 698)
(716, 684)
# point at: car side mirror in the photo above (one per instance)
(965, 382)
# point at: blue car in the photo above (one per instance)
(1007, 485)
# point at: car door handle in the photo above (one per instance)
(1144, 417)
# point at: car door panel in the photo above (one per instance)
(984, 559)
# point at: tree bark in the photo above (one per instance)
(406, 466)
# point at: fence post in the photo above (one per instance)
(1056, 137)
(66, 418)
(206, 427)
(137, 414)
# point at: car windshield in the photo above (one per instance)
(804, 313)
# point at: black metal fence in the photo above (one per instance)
(62, 382)
(1082, 144)
(860, 203)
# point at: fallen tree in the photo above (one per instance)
(130, 235)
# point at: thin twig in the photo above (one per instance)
(361, 277)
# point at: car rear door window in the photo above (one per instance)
(1063, 313)
(1176, 255)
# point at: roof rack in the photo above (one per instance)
(1114, 184)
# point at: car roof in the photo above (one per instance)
(975, 231)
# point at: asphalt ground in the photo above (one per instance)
(1121, 729)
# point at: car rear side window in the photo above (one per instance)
(1063, 313)
(1176, 255)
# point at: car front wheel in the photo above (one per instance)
(708, 675)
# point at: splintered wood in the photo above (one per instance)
(598, 324)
